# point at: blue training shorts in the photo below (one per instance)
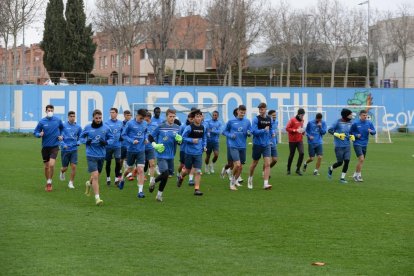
(124, 151)
(315, 149)
(95, 164)
(360, 150)
(149, 154)
(193, 161)
(343, 154)
(212, 146)
(115, 152)
(258, 151)
(238, 155)
(135, 158)
(165, 165)
(69, 157)
(273, 151)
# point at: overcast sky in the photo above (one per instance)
(34, 33)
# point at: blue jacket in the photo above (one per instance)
(116, 128)
(317, 132)
(261, 136)
(102, 133)
(237, 131)
(191, 132)
(123, 142)
(214, 128)
(165, 134)
(360, 130)
(181, 131)
(52, 128)
(70, 133)
(150, 128)
(158, 121)
(135, 131)
(274, 141)
(341, 126)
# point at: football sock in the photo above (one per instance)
(343, 175)
(152, 179)
(140, 188)
(97, 196)
(159, 193)
(108, 179)
(49, 181)
(191, 176)
(266, 182)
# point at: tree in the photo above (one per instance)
(20, 13)
(279, 33)
(352, 36)
(160, 28)
(80, 48)
(331, 30)
(401, 32)
(53, 43)
(5, 35)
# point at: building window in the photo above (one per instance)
(113, 61)
(142, 54)
(391, 57)
(105, 62)
(194, 54)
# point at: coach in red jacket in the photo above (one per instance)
(295, 132)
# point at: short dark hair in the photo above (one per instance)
(271, 111)
(262, 105)
(318, 116)
(49, 106)
(96, 112)
(301, 111)
(114, 109)
(71, 113)
(149, 115)
(127, 112)
(215, 111)
(157, 108)
(363, 111)
(242, 107)
(142, 112)
(235, 111)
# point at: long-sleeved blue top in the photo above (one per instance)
(214, 129)
(165, 134)
(158, 120)
(116, 128)
(123, 142)
(262, 136)
(71, 134)
(360, 130)
(315, 133)
(52, 128)
(150, 128)
(181, 131)
(237, 131)
(341, 126)
(195, 132)
(135, 131)
(95, 135)
(274, 141)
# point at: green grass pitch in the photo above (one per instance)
(356, 229)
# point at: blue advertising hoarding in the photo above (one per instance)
(21, 107)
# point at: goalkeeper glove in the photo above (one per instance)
(340, 135)
(352, 137)
(158, 147)
(178, 138)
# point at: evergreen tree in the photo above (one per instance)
(53, 43)
(79, 45)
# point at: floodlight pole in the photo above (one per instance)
(367, 83)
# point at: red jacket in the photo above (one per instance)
(292, 128)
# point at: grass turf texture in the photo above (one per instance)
(364, 229)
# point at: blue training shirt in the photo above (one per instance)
(274, 133)
(341, 126)
(52, 128)
(317, 132)
(214, 128)
(158, 120)
(135, 131)
(150, 128)
(165, 134)
(71, 134)
(261, 136)
(360, 130)
(116, 128)
(102, 133)
(195, 132)
(237, 131)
